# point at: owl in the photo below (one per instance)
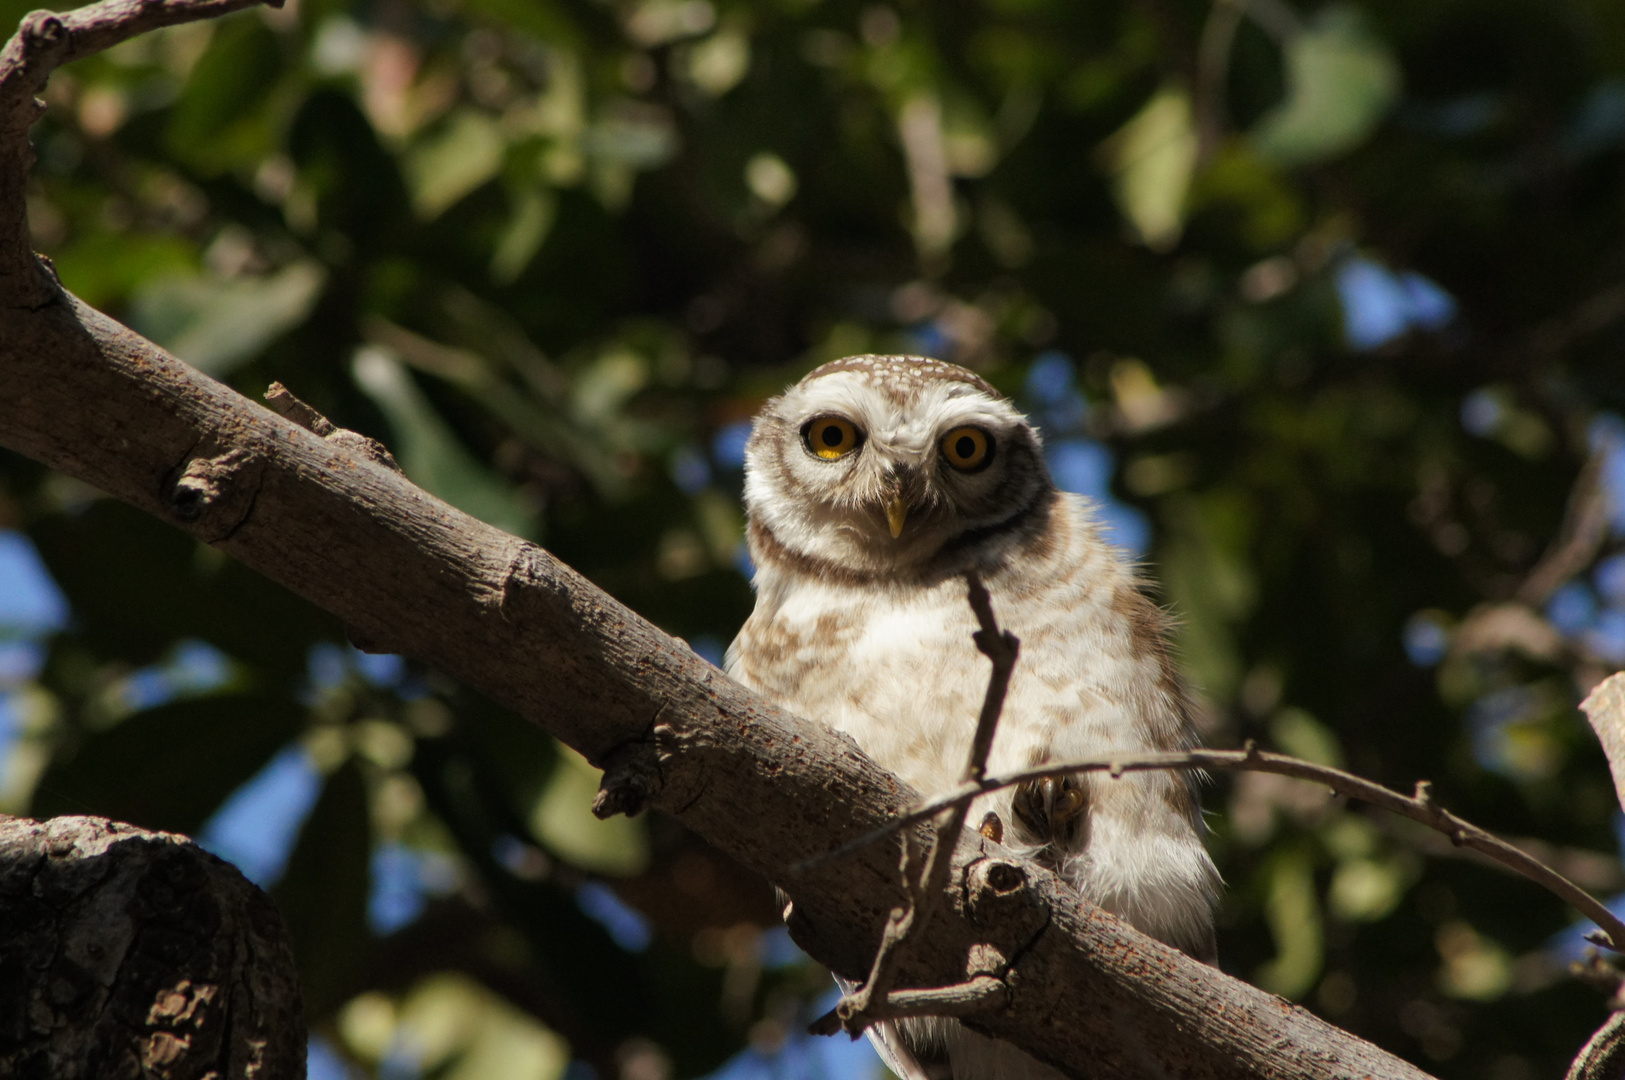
(871, 487)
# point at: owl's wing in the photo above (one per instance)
(888, 1043)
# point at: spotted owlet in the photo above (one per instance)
(872, 485)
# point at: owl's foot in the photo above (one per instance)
(1052, 811)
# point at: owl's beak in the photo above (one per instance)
(896, 514)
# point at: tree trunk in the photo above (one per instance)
(127, 953)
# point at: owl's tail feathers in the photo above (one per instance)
(888, 1043)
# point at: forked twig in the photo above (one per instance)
(1420, 808)
(44, 41)
(875, 1000)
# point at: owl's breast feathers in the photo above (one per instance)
(890, 661)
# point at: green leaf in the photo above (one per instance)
(1341, 81)
(192, 755)
(459, 157)
(1364, 890)
(528, 225)
(564, 820)
(122, 572)
(218, 325)
(323, 894)
(104, 267)
(430, 453)
(1301, 735)
(223, 116)
(1151, 159)
(461, 1030)
(1293, 913)
(1210, 582)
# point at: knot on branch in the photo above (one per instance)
(42, 31)
(999, 896)
(632, 778)
(215, 493)
(283, 402)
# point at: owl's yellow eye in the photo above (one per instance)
(831, 437)
(967, 448)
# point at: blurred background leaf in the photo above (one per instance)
(1322, 303)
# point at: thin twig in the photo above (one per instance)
(1001, 647)
(961, 999)
(280, 400)
(44, 41)
(1212, 71)
(1579, 538)
(1419, 808)
(874, 1000)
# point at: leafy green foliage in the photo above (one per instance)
(1330, 299)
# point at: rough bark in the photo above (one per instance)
(127, 953)
(409, 574)
(1603, 1057)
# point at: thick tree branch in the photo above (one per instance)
(410, 574)
(1602, 1058)
(129, 953)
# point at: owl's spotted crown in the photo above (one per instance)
(896, 374)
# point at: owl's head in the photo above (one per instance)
(878, 463)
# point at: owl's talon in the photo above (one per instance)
(1068, 803)
(992, 828)
(1050, 811)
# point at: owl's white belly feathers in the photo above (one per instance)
(894, 666)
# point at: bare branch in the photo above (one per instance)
(1212, 70)
(1420, 808)
(1002, 648)
(44, 41)
(84, 395)
(1585, 525)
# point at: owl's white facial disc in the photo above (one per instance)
(877, 464)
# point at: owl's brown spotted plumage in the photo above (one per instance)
(872, 485)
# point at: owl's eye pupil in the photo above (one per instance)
(831, 438)
(968, 449)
